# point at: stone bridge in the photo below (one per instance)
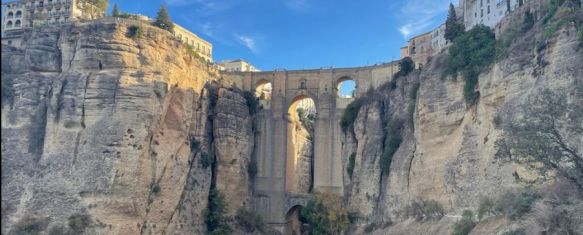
(274, 197)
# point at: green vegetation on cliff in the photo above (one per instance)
(393, 140)
(351, 163)
(350, 114)
(215, 214)
(465, 225)
(325, 214)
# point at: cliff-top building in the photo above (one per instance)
(23, 14)
(487, 12)
(238, 65)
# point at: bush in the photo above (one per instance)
(29, 226)
(156, 188)
(194, 144)
(135, 31)
(351, 163)
(470, 54)
(406, 66)
(465, 225)
(217, 223)
(370, 227)
(325, 215)
(350, 114)
(393, 140)
(252, 102)
(205, 160)
(79, 222)
(423, 210)
(7, 91)
(528, 21)
(250, 221)
(486, 208)
(514, 204)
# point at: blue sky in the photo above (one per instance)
(299, 34)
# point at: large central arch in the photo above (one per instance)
(300, 144)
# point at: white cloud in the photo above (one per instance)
(416, 16)
(297, 5)
(248, 41)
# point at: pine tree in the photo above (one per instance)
(115, 11)
(163, 19)
(453, 28)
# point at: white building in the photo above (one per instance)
(238, 65)
(486, 12)
(438, 41)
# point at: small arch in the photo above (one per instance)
(263, 91)
(346, 87)
(17, 24)
(9, 24)
(303, 83)
(10, 15)
(18, 14)
(295, 224)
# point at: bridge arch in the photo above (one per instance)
(346, 87)
(300, 144)
(263, 91)
(294, 221)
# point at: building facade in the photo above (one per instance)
(419, 48)
(18, 16)
(202, 47)
(238, 65)
(438, 41)
(487, 12)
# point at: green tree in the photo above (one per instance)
(471, 53)
(325, 214)
(93, 9)
(406, 65)
(215, 218)
(453, 28)
(465, 225)
(115, 11)
(163, 20)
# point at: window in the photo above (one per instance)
(488, 9)
(482, 13)
(9, 25)
(17, 24)
(18, 14)
(9, 42)
(41, 3)
(481, 2)
(10, 15)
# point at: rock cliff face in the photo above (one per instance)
(449, 155)
(114, 127)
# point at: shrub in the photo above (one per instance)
(7, 91)
(325, 215)
(393, 140)
(135, 31)
(406, 66)
(194, 144)
(215, 218)
(156, 188)
(250, 221)
(350, 114)
(29, 226)
(423, 210)
(465, 225)
(351, 163)
(486, 207)
(252, 102)
(515, 203)
(471, 53)
(205, 160)
(79, 222)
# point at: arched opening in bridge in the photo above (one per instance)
(346, 87)
(300, 145)
(295, 224)
(263, 91)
